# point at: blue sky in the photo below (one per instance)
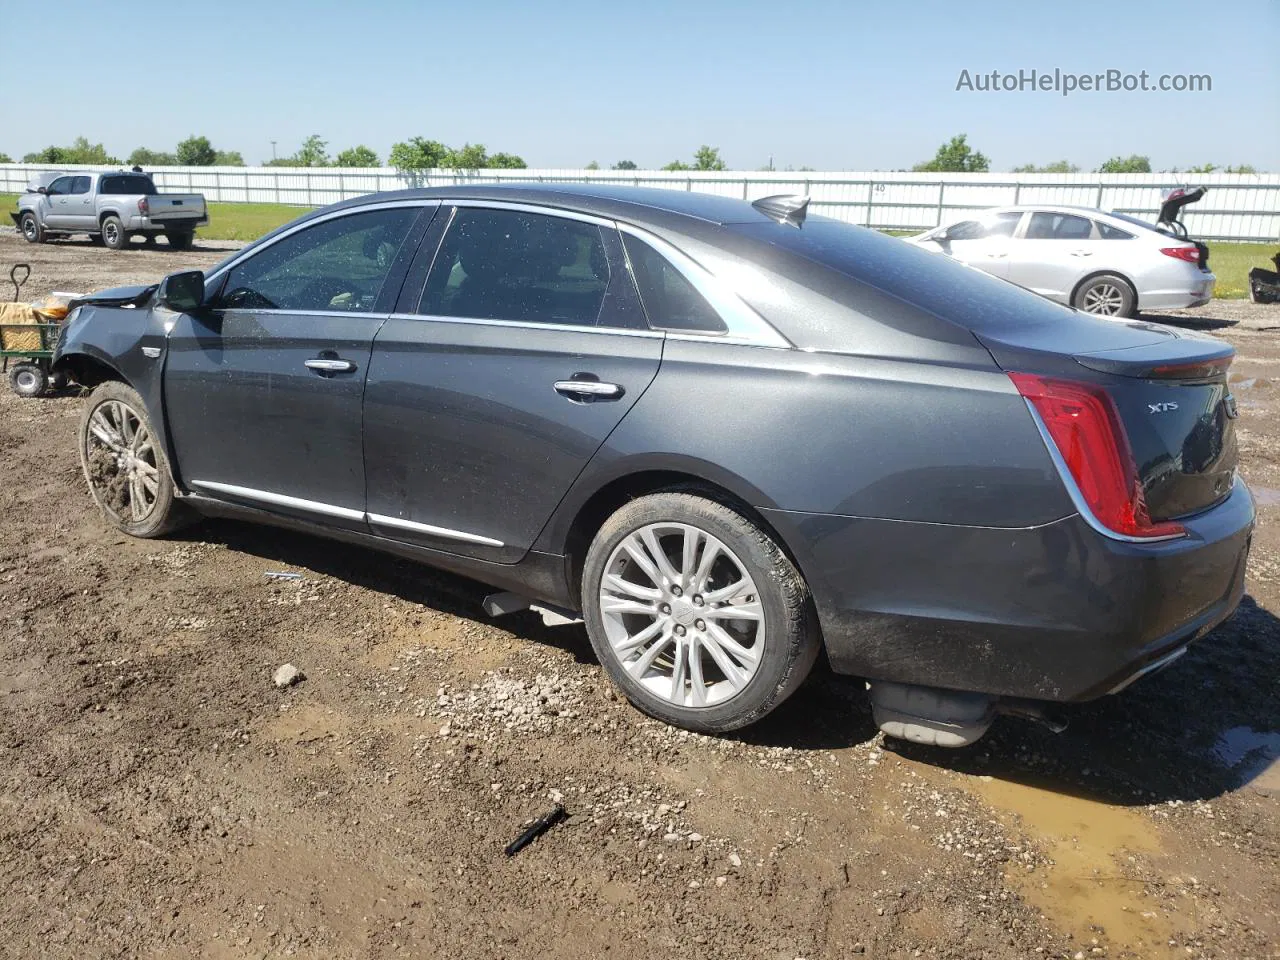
(830, 85)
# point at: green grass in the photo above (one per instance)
(1231, 262)
(246, 221)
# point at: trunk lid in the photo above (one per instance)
(1174, 200)
(1170, 392)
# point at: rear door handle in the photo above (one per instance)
(595, 389)
(326, 365)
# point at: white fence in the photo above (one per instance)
(1237, 206)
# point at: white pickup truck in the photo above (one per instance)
(111, 208)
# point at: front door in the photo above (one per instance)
(488, 396)
(263, 388)
(57, 203)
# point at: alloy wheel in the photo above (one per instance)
(121, 457)
(110, 233)
(682, 615)
(1104, 299)
(29, 228)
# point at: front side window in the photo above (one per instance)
(335, 265)
(670, 300)
(509, 265)
(61, 187)
(1059, 226)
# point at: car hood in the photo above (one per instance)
(117, 296)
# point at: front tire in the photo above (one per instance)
(125, 465)
(696, 613)
(113, 235)
(1107, 295)
(32, 232)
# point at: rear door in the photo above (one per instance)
(501, 377)
(263, 388)
(80, 211)
(1057, 250)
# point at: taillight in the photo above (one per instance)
(1085, 426)
(1189, 254)
(144, 208)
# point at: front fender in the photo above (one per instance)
(114, 342)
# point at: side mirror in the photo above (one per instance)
(942, 236)
(42, 189)
(181, 292)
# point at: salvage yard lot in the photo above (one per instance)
(161, 798)
(1231, 262)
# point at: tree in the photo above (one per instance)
(592, 166)
(418, 154)
(955, 156)
(507, 161)
(625, 165)
(1058, 166)
(196, 152)
(472, 156)
(676, 165)
(228, 158)
(143, 157)
(358, 156)
(81, 152)
(1241, 168)
(312, 153)
(5, 158)
(1134, 163)
(707, 158)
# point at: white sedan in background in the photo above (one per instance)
(1104, 263)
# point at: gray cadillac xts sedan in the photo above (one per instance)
(728, 436)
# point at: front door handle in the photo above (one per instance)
(588, 389)
(327, 365)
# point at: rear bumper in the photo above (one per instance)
(140, 223)
(1056, 612)
(1195, 291)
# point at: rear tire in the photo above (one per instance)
(709, 637)
(28, 380)
(113, 235)
(180, 239)
(125, 465)
(32, 232)
(1106, 295)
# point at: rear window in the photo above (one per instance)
(127, 183)
(942, 286)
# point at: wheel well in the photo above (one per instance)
(107, 213)
(87, 371)
(606, 501)
(1104, 273)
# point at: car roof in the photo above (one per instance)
(635, 204)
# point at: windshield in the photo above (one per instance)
(1135, 221)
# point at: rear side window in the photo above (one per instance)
(80, 185)
(335, 265)
(130, 183)
(1059, 226)
(508, 265)
(1108, 232)
(670, 301)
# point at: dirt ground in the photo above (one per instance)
(159, 797)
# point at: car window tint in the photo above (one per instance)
(337, 264)
(1108, 232)
(1059, 226)
(80, 185)
(507, 265)
(670, 301)
(61, 187)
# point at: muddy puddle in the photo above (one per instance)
(1266, 496)
(1253, 756)
(1095, 889)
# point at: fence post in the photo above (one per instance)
(871, 200)
(1098, 203)
(942, 187)
(1017, 190)
(275, 177)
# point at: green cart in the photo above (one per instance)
(27, 349)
